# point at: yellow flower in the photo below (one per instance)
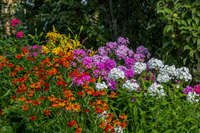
(45, 49)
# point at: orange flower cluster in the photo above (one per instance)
(38, 84)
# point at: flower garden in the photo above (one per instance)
(58, 85)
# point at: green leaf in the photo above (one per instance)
(86, 131)
(194, 26)
(169, 131)
(196, 3)
(193, 10)
(192, 52)
(170, 27)
(198, 13)
(6, 93)
(184, 60)
(189, 20)
(183, 22)
(198, 42)
(187, 47)
(196, 20)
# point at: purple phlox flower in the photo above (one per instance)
(121, 52)
(102, 51)
(122, 68)
(123, 41)
(129, 62)
(189, 89)
(100, 66)
(132, 100)
(111, 46)
(112, 84)
(109, 64)
(129, 73)
(131, 53)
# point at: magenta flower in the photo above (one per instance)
(197, 89)
(15, 21)
(19, 34)
(35, 46)
(35, 54)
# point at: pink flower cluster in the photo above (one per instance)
(19, 34)
(15, 21)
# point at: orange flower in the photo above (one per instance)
(113, 95)
(42, 97)
(52, 98)
(108, 119)
(71, 123)
(32, 84)
(28, 100)
(92, 80)
(10, 65)
(36, 102)
(22, 98)
(17, 67)
(29, 58)
(68, 107)
(117, 122)
(102, 92)
(123, 116)
(62, 104)
(18, 56)
(123, 125)
(25, 107)
(76, 106)
(33, 117)
(46, 112)
(102, 124)
(1, 57)
(12, 74)
(78, 130)
(86, 110)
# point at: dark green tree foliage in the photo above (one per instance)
(63, 14)
(103, 21)
(135, 19)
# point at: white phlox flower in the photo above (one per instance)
(191, 97)
(170, 70)
(155, 63)
(130, 86)
(139, 67)
(116, 74)
(163, 77)
(183, 73)
(101, 86)
(156, 88)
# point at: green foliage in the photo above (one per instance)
(135, 19)
(182, 33)
(63, 15)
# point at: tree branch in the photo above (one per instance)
(111, 10)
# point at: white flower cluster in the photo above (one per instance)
(130, 85)
(101, 86)
(155, 63)
(170, 70)
(115, 74)
(163, 77)
(156, 88)
(139, 67)
(183, 73)
(191, 97)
